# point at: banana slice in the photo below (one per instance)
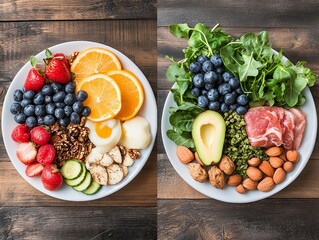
(128, 161)
(106, 160)
(115, 153)
(99, 174)
(125, 169)
(115, 173)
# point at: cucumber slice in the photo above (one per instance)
(93, 188)
(85, 184)
(77, 181)
(71, 169)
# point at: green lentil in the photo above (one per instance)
(237, 146)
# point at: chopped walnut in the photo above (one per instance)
(216, 177)
(134, 153)
(227, 165)
(197, 172)
(73, 56)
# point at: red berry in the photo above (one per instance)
(34, 81)
(46, 154)
(40, 136)
(34, 169)
(51, 177)
(63, 58)
(26, 152)
(56, 71)
(21, 133)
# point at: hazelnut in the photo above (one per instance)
(197, 172)
(216, 177)
(227, 165)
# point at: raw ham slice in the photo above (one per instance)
(288, 126)
(300, 124)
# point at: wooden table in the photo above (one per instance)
(184, 213)
(28, 27)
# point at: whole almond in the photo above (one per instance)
(279, 175)
(288, 166)
(266, 184)
(266, 168)
(254, 162)
(184, 154)
(240, 189)
(250, 184)
(274, 151)
(292, 156)
(234, 180)
(276, 162)
(283, 156)
(254, 173)
(198, 159)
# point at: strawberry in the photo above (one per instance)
(57, 71)
(63, 58)
(46, 154)
(21, 133)
(34, 81)
(51, 177)
(34, 169)
(40, 136)
(26, 152)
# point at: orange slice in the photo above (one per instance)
(132, 93)
(92, 61)
(104, 97)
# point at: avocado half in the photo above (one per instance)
(208, 132)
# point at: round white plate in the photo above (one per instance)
(229, 194)
(148, 111)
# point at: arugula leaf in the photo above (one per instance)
(249, 68)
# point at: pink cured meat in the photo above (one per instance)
(300, 124)
(288, 127)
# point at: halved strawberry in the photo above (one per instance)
(26, 152)
(34, 169)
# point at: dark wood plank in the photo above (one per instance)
(76, 10)
(267, 219)
(77, 223)
(234, 13)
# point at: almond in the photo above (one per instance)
(254, 162)
(240, 189)
(274, 151)
(198, 159)
(184, 154)
(254, 173)
(288, 166)
(266, 184)
(276, 162)
(266, 168)
(279, 175)
(250, 184)
(283, 156)
(292, 156)
(234, 180)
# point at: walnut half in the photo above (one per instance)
(216, 177)
(227, 165)
(197, 172)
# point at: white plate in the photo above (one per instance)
(229, 194)
(148, 111)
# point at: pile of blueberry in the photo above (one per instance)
(54, 102)
(215, 88)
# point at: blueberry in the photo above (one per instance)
(219, 70)
(64, 122)
(68, 110)
(48, 99)
(20, 118)
(220, 79)
(47, 90)
(195, 67)
(29, 94)
(227, 76)
(59, 113)
(210, 77)
(40, 110)
(239, 90)
(31, 122)
(213, 94)
(59, 96)
(224, 88)
(204, 92)
(201, 59)
(69, 99)
(207, 66)
(75, 118)
(216, 60)
(48, 120)
(224, 108)
(242, 100)
(56, 87)
(208, 86)
(195, 92)
(241, 110)
(50, 108)
(60, 104)
(25, 102)
(38, 99)
(233, 106)
(15, 108)
(86, 111)
(214, 106)
(229, 98)
(29, 110)
(69, 87)
(234, 83)
(77, 107)
(81, 96)
(40, 120)
(17, 95)
(202, 101)
(198, 80)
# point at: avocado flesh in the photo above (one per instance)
(208, 132)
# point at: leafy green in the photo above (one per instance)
(183, 139)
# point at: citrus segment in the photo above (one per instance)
(104, 96)
(132, 93)
(92, 61)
